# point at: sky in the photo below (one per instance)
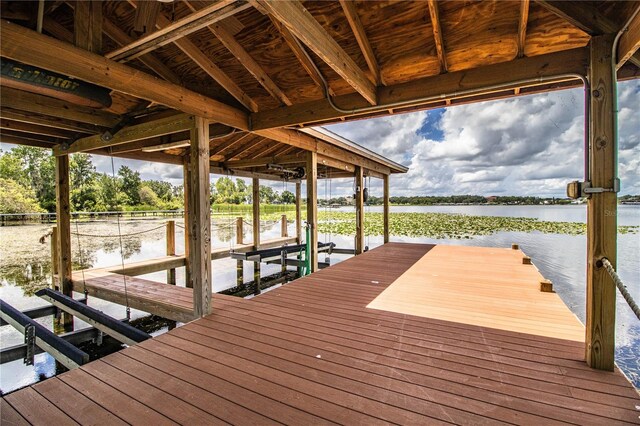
(529, 145)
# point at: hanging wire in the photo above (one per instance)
(124, 277)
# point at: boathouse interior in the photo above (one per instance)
(239, 88)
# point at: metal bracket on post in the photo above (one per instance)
(30, 342)
(578, 189)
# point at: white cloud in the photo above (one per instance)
(526, 145)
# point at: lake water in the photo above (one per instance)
(25, 266)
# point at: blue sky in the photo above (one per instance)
(530, 145)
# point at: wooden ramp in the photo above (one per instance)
(168, 301)
(311, 352)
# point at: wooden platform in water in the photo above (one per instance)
(312, 352)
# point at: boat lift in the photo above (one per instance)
(38, 339)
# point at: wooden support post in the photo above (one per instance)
(601, 209)
(186, 178)
(359, 246)
(171, 249)
(54, 256)
(87, 23)
(385, 181)
(298, 213)
(255, 199)
(312, 208)
(239, 240)
(199, 219)
(284, 232)
(63, 214)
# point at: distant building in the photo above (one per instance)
(491, 199)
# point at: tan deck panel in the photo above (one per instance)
(489, 287)
(311, 352)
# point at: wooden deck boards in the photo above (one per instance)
(311, 352)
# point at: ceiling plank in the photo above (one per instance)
(434, 13)
(156, 65)
(448, 85)
(349, 8)
(194, 22)
(208, 66)
(304, 26)
(150, 129)
(38, 104)
(27, 46)
(581, 15)
(522, 26)
(299, 52)
(629, 42)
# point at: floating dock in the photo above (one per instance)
(405, 333)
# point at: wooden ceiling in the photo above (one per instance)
(267, 63)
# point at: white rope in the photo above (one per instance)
(623, 288)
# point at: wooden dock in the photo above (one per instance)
(313, 352)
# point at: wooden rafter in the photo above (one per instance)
(304, 26)
(263, 161)
(27, 46)
(44, 120)
(349, 8)
(582, 15)
(121, 38)
(629, 43)
(208, 66)
(522, 26)
(87, 25)
(232, 141)
(225, 35)
(299, 52)
(164, 126)
(195, 21)
(38, 104)
(245, 146)
(34, 129)
(265, 150)
(566, 62)
(24, 139)
(434, 13)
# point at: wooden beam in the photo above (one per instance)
(349, 8)
(583, 15)
(200, 219)
(336, 164)
(87, 23)
(298, 213)
(312, 208)
(522, 27)
(208, 66)
(359, 200)
(41, 120)
(34, 128)
(151, 61)
(434, 13)
(263, 161)
(246, 144)
(373, 173)
(181, 28)
(386, 209)
(601, 210)
(218, 170)
(304, 26)
(27, 46)
(299, 52)
(146, 16)
(230, 143)
(161, 127)
(63, 219)
(255, 203)
(45, 105)
(415, 92)
(26, 140)
(629, 42)
(227, 39)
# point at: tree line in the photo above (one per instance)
(27, 179)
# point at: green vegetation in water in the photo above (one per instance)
(448, 225)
